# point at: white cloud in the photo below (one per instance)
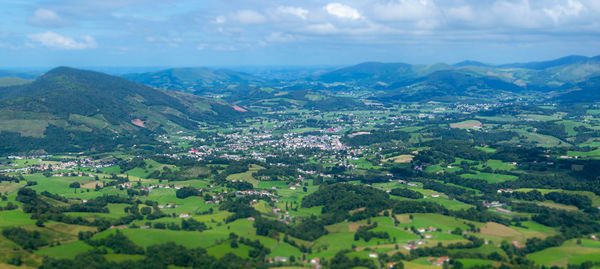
(573, 8)
(169, 41)
(45, 18)
(405, 10)
(220, 20)
(463, 13)
(280, 37)
(322, 28)
(249, 17)
(294, 11)
(518, 14)
(342, 11)
(54, 40)
(367, 29)
(225, 48)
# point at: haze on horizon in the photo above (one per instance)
(260, 32)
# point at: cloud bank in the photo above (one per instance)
(305, 31)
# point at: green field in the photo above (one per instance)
(247, 176)
(285, 250)
(469, 263)
(489, 177)
(225, 247)
(65, 251)
(568, 253)
(15, 218)
(497, 165)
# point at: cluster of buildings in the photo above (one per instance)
(38, 165)
(254, 192)
(324, 142)
(414, 244)
(152, 187)
(439, 261)
(473, 107)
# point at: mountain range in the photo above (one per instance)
(388, 81)
(194, 79)
(96, 111)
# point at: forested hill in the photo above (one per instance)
(74, 103)
(194, 79)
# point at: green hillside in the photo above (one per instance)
(96, 111)
(193, 79)
(12, 81)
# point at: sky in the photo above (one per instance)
(36, 33)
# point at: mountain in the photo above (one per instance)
(585, 92)
(194, 79)
(469, 63)
(69, 109)
(567, 60)
(302, 96)
(448, 85)
(363, 71)
(557, 75)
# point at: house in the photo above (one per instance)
(421, 230)
(410, 247)
(427, 236)
(250, 218)
(184, 215)
(373, 255)
(280, 259)
(315, 261)
(493, 204)
(439, 261)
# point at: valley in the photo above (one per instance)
(462, 171)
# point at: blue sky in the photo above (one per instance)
(308, 32)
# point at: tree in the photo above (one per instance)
(146, 210)
(75, 185)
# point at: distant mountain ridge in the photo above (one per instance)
(467, 78)
(17, 74)
(567, 60)
(193, 79)
(470, 63)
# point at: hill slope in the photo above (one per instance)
(585, 92)
(193, 79)
(95, 111)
